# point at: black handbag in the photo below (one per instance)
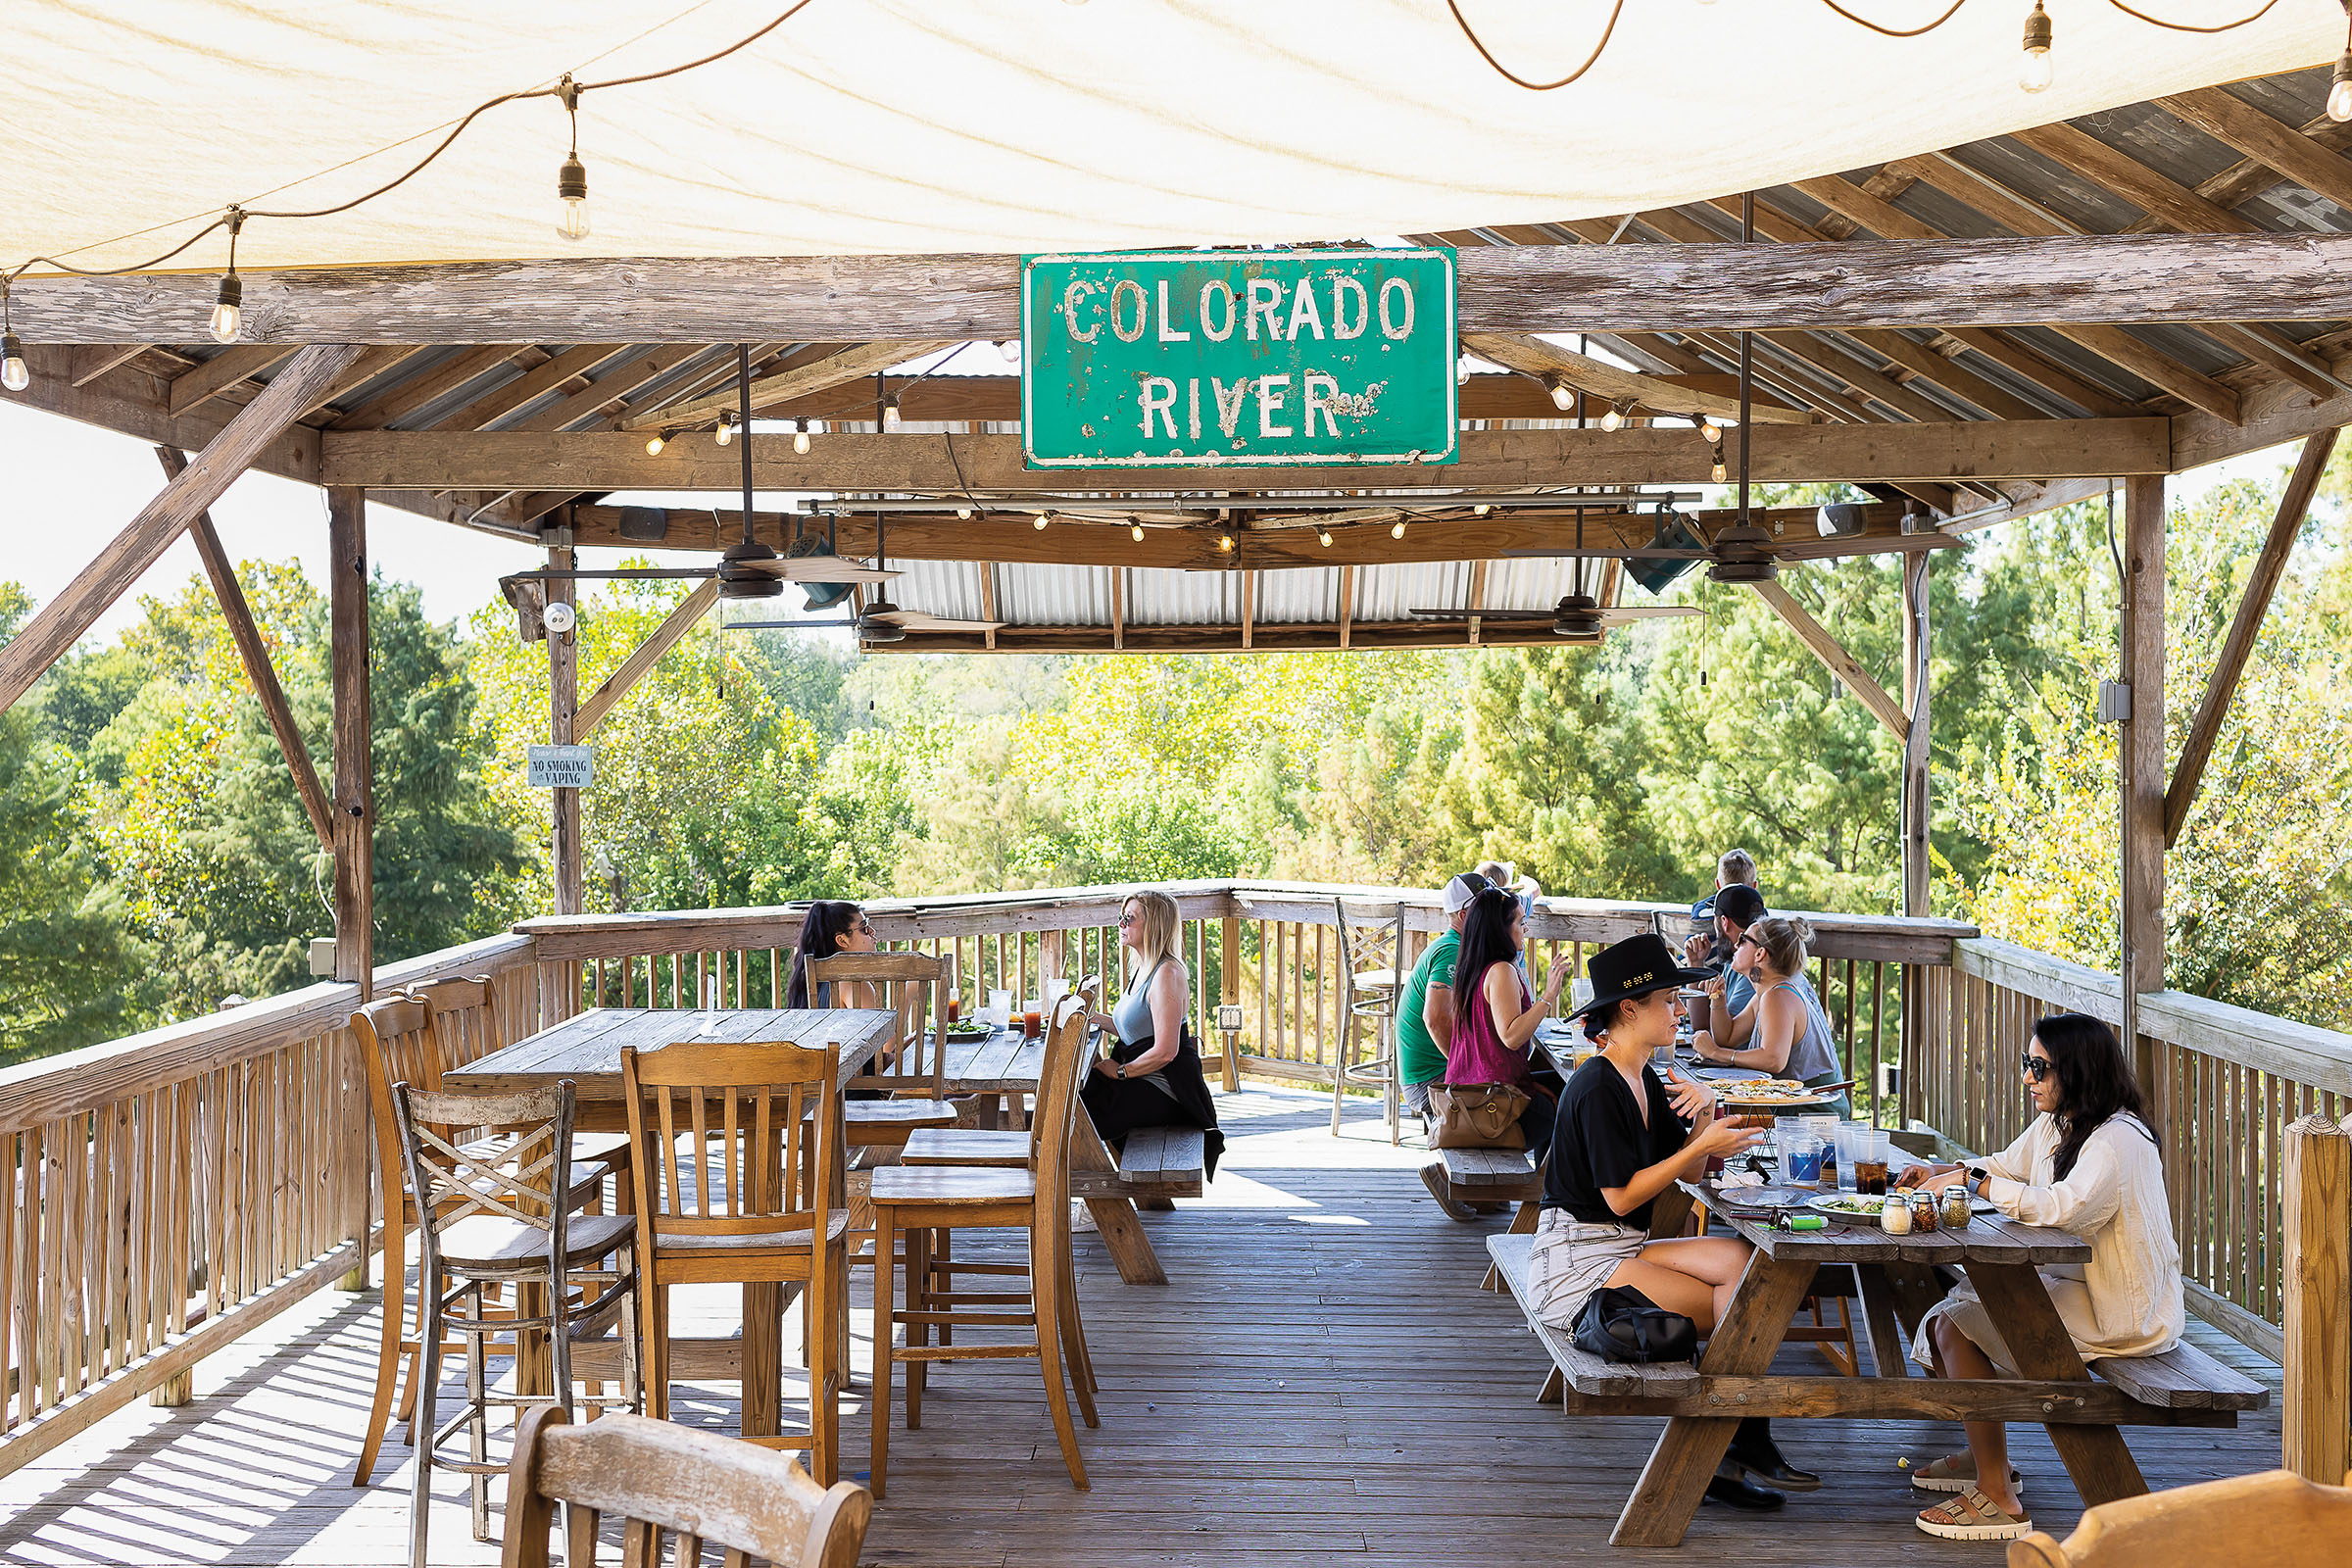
(1621, 1324)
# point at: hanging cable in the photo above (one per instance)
(1513, 77)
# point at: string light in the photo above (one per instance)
(1615, 418)
(1462, 370)
(656, 442)
(1708, 428)
(1043, 518)
(1323, 537)
(890, 412)
(1009, 351)
(1563, 396)
(2035, 76)
(1136, 532)
(725, 433)
(571, 179)
(1397, 529)
(14, 374)
(1719, 473)
(1225, 543)
(800, 437)
(228, 304)
(2339, 90)
(963, 514)
(1481, 509)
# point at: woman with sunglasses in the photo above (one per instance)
(1150, 1072)
(832, 926)
(1788, 1031)
(2089, 1164)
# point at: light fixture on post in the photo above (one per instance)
(1614, 420)
(228, 301)
(2339, 90)
(14, 374)
(800, 437)
(724, 434)
(2035, 76)
(571, 178)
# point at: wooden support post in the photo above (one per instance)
(2141, 758)
(59, 622)
(563, 693)
(2317, 1417)
(1840, 663)
(1917, 706)
(255, 655)
(2237, 649)
(1229, 989)
(355, 759)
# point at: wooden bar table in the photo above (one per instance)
(1735, 1379)
(586, 1048)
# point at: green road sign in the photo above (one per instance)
(1188, 358)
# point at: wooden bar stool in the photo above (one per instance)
(496, 1215)
(919, 1199)
(737, 1147)
(1372, 977)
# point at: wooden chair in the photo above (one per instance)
(912, 1079)
(491, 1213)
(400, 1041)
(694, 1487)
(2277, 1519)
(1372, 977)
(748, 1203)
(1067, 1053)
(919, 1199)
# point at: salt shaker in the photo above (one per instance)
(1894, 1215)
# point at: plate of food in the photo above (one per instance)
(1761, 1198)
(1847, 1206)
(1769, 1092)
(964, 1034)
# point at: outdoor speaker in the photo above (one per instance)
(645, 524)
(1659, 575)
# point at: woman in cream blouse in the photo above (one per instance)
(2089, 1164)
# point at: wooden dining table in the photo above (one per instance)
(587, 1050)
(1895, 1276)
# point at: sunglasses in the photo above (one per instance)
(1126, 920)
(1746, 941)
(2034, 1067)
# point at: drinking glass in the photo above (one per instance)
(999, 1012)
(1031, 1020)
(1801, 1153)
(1853, 1143)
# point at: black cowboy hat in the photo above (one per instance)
(1635, 967)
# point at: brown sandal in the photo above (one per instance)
(1972, 1516)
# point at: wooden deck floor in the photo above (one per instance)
(1322, 1378)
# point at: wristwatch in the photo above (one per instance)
(1978, 1177)
(1119, 1070)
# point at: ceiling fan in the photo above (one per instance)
(880, 621)
(1578, 618)
(749, 568)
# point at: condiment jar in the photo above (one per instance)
(1926, 1215)
(1894, 1217)
(1955, 1207)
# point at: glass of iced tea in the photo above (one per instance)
(1869, 1163)
(955, 1006)
(1032, 1020)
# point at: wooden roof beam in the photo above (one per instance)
(850, 364)
(1533, 356)
(232, 366)
(1969, 450)
(399, 402)
(1836, 660)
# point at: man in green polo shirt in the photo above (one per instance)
(1425, 1013)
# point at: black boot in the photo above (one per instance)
(1727, 1487)
(1755, 1457)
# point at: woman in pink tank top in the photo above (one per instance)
(1495, 1015)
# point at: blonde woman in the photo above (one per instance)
(1150, 1072)
(1788, 1032)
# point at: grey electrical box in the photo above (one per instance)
(322, 958)
(2115, 701)
(1229, 1017)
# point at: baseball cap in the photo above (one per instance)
(1462, 890)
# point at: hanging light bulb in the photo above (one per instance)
(14, 374)
(572, 177)
(1563, 396)
(1323, 537)
(2339, 93)
(1136, 532)
(1462, 370)
(1708, 428)
(1043, 518)
(1225, 543)
(963, 514)
(890, 412)
(656, 442)
(1614, 420)
(1397, 529)
(1009, 351)
(725, 433)
(2035, 76)
(1481, 509)
(228, 304)
(800, 437)
(1720, 473)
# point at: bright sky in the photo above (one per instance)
(71, 486)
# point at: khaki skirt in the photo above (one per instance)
(1572, 1260)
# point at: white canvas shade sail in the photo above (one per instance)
(1006, 126)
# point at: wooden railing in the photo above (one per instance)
(2223, 1084)
(178, 1189)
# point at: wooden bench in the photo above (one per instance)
(1581, 1371)
(2182, 1378)
(1160, 1163)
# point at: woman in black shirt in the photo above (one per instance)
(1619, 1143)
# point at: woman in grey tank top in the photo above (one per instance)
(1790, 1035)
(1150, 1072)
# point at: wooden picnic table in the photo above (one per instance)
(586, 1048)
(2001, 1259)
